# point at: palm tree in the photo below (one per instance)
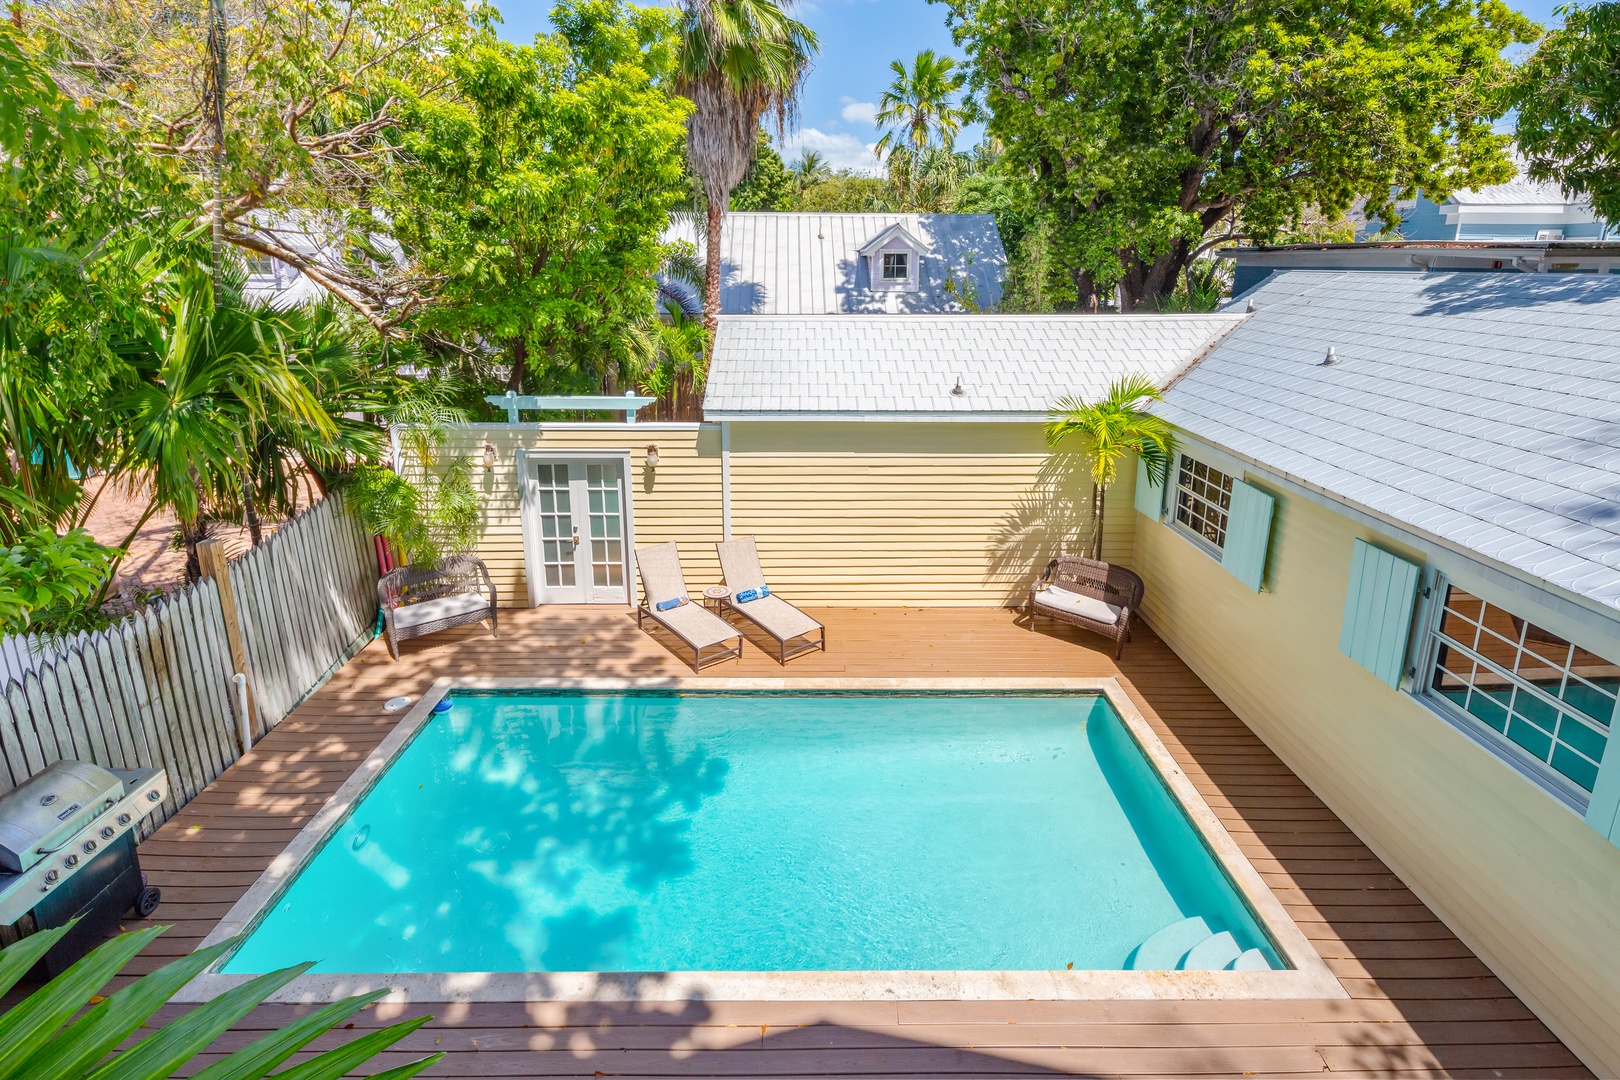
(1113, 427)
(811, 168)
(920, 106)
(739, 59)
(204, 378)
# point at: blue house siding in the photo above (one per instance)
(1425, 222)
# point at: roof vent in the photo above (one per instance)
(1252, 308)
(819, 234)
(958, 390)
(1330, 360)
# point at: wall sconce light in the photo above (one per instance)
(489, 457)
(652, 456)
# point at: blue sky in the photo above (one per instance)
(858, 40)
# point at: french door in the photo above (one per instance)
(575, 530)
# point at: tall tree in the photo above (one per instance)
(1149, 126)
(1568, 97)
(312, 91)
(739, 61)
(922, 106)
(536, 188)
(1116, 425)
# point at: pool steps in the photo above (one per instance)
(1189, 945)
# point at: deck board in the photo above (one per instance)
(1421, 1004)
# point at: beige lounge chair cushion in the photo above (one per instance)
(779, 617)
(444, 607)
(696, 625)
(1086, 607)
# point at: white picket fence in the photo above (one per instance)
(156, 690)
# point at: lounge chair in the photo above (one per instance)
(1097, 596)
(699, 628)
(739, 563)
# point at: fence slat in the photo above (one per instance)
(155, 691)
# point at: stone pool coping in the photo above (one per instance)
(1309, 977)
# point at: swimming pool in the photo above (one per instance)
(712, 829)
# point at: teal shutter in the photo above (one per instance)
(1378, 611)
(1603, 812)
(1248, 534)
(1149, 496)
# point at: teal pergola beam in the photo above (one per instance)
(513, 402)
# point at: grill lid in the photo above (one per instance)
(40, 814)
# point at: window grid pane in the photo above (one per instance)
(1548, 698)
(895, 266)
(1203, 497)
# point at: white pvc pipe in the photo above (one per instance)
(242, 717)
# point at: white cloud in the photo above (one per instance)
(842, 150)
(859, 112)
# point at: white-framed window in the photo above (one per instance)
(1543, 701)
(1202, 498)
(896, 265)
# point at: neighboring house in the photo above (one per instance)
(1402, 570)
(851, 264)
(1521, 209)
(1252, 265)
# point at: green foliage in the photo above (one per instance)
(537, 191)
(50, 583)
(1113, 427)
(1146, 126)
(767, 185)
(1568, 97)
(846, 192)
(922, 107)
(312, 95)
(433, 519)
(66, 1031)
(1205, 283)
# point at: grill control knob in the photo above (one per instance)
(107, 833)
(71, 861)
(89, 846)
(123, 819)
(51, 876)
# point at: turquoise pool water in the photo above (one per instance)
(762, 832)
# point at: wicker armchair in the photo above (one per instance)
(418, 600)
(1097, 596)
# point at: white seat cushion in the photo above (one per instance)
(1084, 606)
(443, 608)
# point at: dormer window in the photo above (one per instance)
(892, 260)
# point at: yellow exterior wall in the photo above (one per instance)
(845, 514)
(914, 513)
(679, 501)
(1532, 889)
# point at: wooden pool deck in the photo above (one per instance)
(1420, 1003)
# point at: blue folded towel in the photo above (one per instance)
(670, 605)
(753, 594)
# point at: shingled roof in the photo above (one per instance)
(1011, 367)
(1482, 409)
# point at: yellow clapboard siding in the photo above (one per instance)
(1518, 876)
(845, 514)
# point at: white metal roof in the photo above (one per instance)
(897, 367)
(809, 264)
(1482, 409)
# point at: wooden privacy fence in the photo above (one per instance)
(156, 690)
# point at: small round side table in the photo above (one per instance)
(714, 597)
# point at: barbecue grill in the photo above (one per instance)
(67, 850)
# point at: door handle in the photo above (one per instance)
(576, 538)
